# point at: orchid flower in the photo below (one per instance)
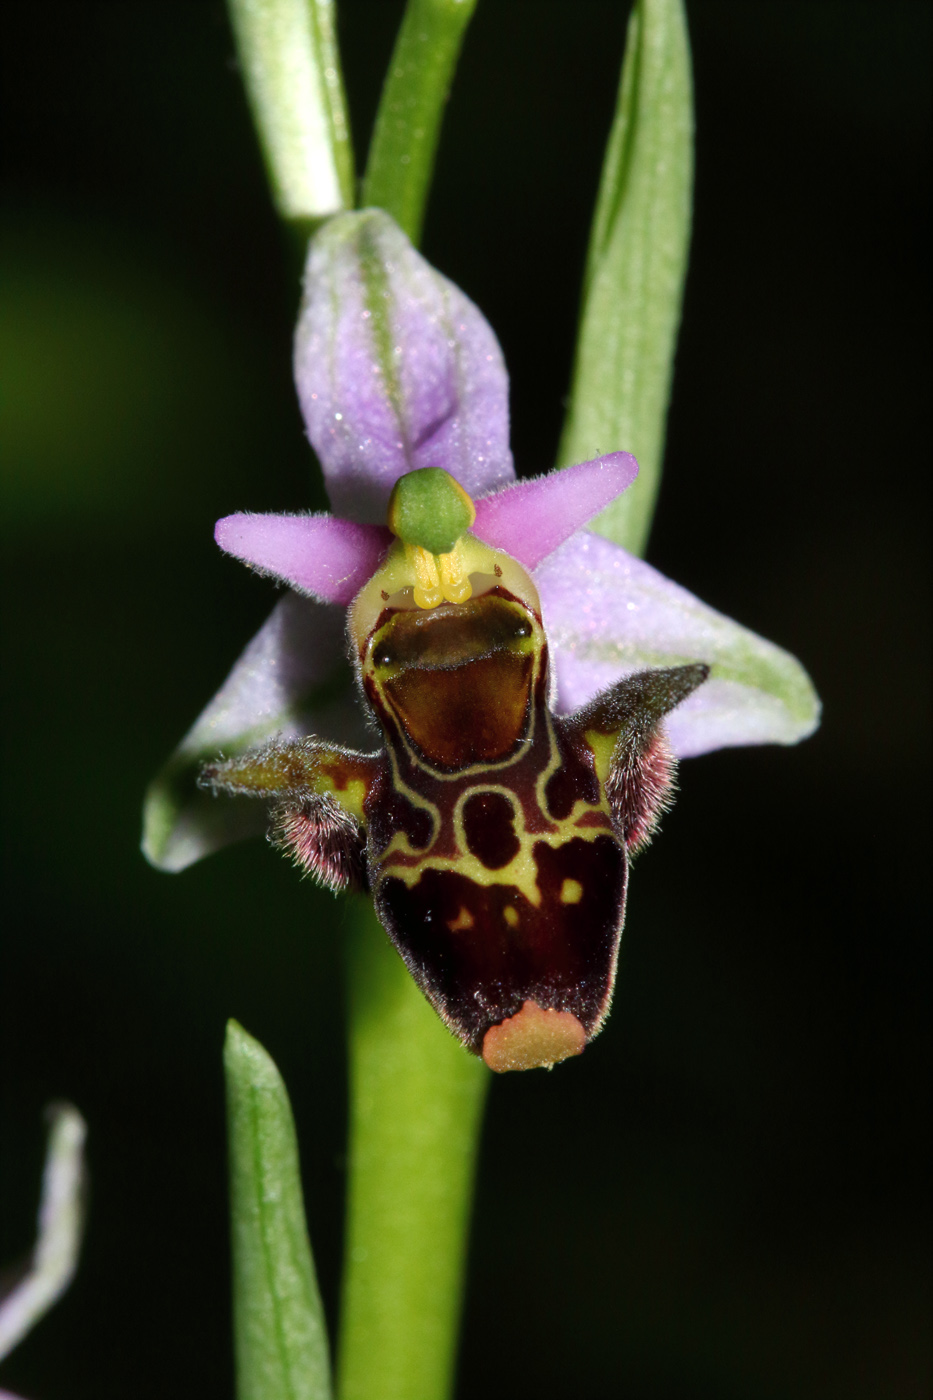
(396, 370)
(405, 397)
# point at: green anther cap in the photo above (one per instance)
(429, 509)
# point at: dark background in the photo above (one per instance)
(725, 1197)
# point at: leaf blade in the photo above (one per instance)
(636, 265)
(280, 1334)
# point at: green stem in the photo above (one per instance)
(416, 1106)
(416, 1097)
(408, 123)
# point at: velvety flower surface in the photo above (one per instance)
(397, 370)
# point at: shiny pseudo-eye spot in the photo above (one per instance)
(384, 655)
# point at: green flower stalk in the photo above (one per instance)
(404, 143)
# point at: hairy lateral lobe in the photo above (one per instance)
(622, 726)
(317, 793)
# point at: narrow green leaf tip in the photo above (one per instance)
(291, 67)
(280, 1335)
(636, 265)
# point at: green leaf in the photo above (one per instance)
(280, 1336)
(417, 1099)
(408, 123)
(636, 265)
(291, 67)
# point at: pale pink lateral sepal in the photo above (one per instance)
(531, 518)
(319, 555)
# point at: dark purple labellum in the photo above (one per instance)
(493, 835)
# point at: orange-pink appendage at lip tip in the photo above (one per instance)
(534, 1038)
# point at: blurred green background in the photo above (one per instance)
(726, 1197)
